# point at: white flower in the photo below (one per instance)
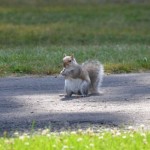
(63, 133)
(54, 146)
(91, 145)
(142, 126)
(65, 141)
(118, 133)
(80, 131)
(130, 128)
(10, 141)
(143, 134)
(73, 132)
(46, 131)
(71, 147)
(79, 139)
(124, 137)
(90, 131)
(26, 143)
(144, 141)
(65, 147)
(86, 147)
(16, 133)
(21, 137)
(100, 137)
(131, 135)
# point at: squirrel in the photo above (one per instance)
(81, 79)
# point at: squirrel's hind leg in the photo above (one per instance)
(69, 93)
(84, 89)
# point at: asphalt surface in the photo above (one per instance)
(37, 102)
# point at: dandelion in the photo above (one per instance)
(65, 147)
(91, 145)
(142, 126)
(46, 131)
(48, 135)
(118, 133)
(16, 133)
(80, 131)
(73, 132)
(124, 137)
(131, 135)
(63, 133)
(90, 132)
(26, 135)
(26, 143)
(144, 141)
(103, 134)
(10, 141)
(21, 137)
(54, 146)
(79, 139)
(65, 141)
(113, 132)
(100, 137)
(130, 128)
(143, 134)
(71, 147)
(7, 141)
(86, 146)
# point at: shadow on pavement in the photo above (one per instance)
(63, 121)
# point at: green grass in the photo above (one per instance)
(75, 25)
(112, 139)
(48, 60)
(33, 39)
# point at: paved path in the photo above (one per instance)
(36, 101)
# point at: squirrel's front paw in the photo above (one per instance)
(84, 95)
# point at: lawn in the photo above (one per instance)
(105, 139)
(34, 35)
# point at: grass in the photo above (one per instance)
(112, 139)
(47, 60)
(33, 39)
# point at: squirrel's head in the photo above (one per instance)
(69, 60)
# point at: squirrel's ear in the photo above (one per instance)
(65, 55)
(72, 56)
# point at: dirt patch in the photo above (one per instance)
(35, 102)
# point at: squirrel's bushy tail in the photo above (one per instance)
(96, 72)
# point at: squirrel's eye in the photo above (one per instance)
(69, 60)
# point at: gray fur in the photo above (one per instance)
(74, 84)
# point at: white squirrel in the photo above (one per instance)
(82, 79)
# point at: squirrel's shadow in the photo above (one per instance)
(65, 98)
